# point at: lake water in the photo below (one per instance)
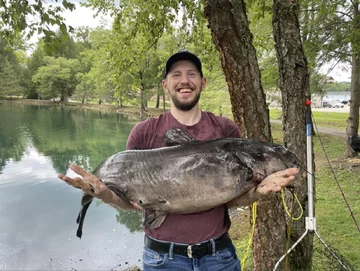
(38, 210)
(337, 96)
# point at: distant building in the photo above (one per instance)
(330, 80)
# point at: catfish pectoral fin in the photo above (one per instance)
(154, 220)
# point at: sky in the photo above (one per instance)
(83, 16)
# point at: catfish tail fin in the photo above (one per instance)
(85, 202)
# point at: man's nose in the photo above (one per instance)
(184, 78)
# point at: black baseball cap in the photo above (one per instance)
(183, 55)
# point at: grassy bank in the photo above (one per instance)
(334, 222)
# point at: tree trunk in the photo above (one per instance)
(142, 95)
(233, 39)
(353, 120)
(120, 104)
(157, 100)
(164, 101)
(295, 89)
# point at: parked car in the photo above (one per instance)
(332, 104)
(337, 104)
(327, 104)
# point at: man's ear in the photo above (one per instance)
(203, 83)
(164, 85)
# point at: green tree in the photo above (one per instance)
(32, 64)
(133, 63)
(96, 78)
(57, 78)
(10, 71)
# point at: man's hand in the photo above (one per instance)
(276, 181)
(89, 183)
(271, 184)
(92, 185)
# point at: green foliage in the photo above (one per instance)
(96, 79)
(328, 30)
(260, 18)
(32, 64)
(65, 46)
(10, 72)
(17, 17)
(57, 78)
(342, 86)
(317, 83)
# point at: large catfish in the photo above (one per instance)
(190, 176)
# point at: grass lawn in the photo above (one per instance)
(334, 222)
(325, 119)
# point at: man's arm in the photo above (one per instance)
(271, 184)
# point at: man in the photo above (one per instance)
(197, 241)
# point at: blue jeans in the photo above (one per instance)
(223, 260)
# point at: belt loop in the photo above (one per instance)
(171, 251)
(213, 246)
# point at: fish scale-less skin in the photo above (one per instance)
(177, 181)
(193, 177)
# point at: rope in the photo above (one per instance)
(247, 251)
(290, 224)
(286, 209)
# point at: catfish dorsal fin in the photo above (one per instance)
(177, 136)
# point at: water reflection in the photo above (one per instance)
(38, 211)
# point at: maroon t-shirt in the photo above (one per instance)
(185, 228)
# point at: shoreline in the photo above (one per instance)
(128, 110)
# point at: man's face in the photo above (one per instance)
(184, 85)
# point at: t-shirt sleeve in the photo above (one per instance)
(232, 130)
(138, 138)
(133, 140)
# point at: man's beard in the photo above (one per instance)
(185, 106)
